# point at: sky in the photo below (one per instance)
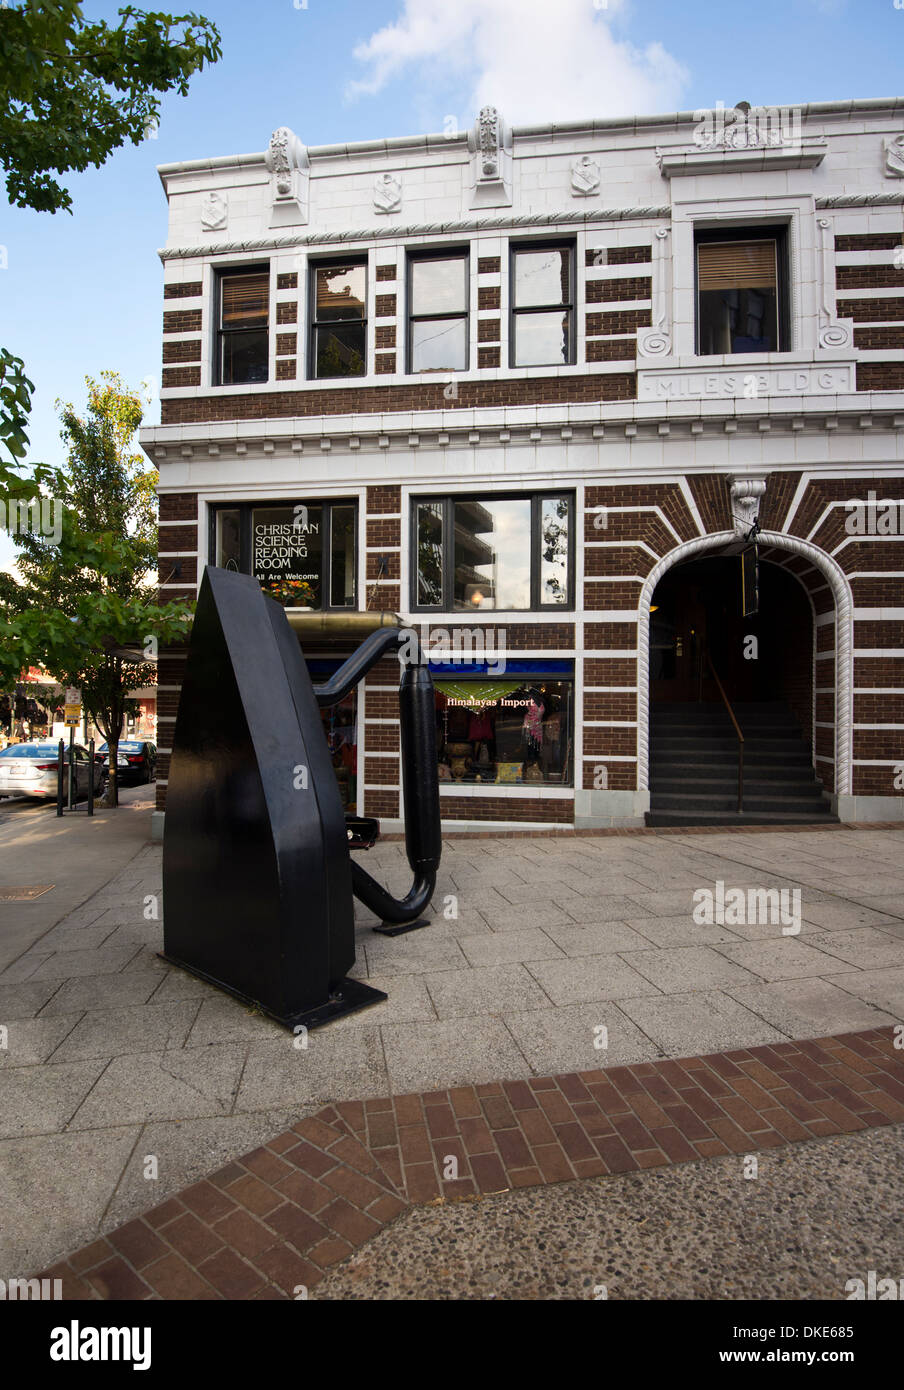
(81, 294)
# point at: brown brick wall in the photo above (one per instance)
(192, 289)
(385, 363)
(287, 311)
(869, 241)
(602, 742)
(181, 376)
(287, 281)
(385, 336)
(617, 321)
(188, 350)
(489, 297)
(381, 738)
(390, 568)
(880, 337)
(616, 350)
(179, 506)
(271, 405)
(506, 808)
(632, 287)
(712, 495)
(880, 376)
(286, 368)
(382, 771)
(666, 496)
(182, 321)
(616, 560)
(384, 499)
(600, 636)
(489, 265)
(600, 706)
(384, 803)
(610, 670)
(489, 330)
(177, 538)
(385, 306)
(488, 357)
(870, 310)
(380, 533)
(286, 344)
(868, 277)
(597, 596)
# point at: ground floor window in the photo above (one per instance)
(303, 553)
(513, 730)
(340, 729)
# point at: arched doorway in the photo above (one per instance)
(690, 610)
(697, 628)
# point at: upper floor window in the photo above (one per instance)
(243, 341)
(338, 318)
(741, 303)
(542, 293)
(438, 312)
(475, 554)
(304, 554)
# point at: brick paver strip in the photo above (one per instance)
(273, 1222)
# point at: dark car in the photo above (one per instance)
(135, 762)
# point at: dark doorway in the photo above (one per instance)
(696, 619)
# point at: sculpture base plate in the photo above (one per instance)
(348, 997)
(388, 929)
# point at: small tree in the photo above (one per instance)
(87, 606)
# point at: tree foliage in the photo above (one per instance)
(73, 91)
(87, 605)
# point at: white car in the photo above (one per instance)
(30, 769)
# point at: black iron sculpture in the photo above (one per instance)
(257, 876)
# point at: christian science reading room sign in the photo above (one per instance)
(286, 555)
(753, 383)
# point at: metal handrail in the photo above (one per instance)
(737, 729)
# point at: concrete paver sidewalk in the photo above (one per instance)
(124, 1079)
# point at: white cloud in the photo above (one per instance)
(537, 60)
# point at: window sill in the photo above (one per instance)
(553, 791)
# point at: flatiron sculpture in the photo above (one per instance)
(258, 878)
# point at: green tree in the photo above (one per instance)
(87, 605)
(73, 91)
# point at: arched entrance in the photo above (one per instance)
(804, 634)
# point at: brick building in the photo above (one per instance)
(530, 389)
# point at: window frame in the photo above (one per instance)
(447, 501)
(313, 323)
(436, 254)
(779, 232)
(221, 274)
(559, 244)
(245, 510)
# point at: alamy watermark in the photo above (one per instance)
(458, 646)
(42, 516)
(737, 907)
(877, 516)
(748, 127)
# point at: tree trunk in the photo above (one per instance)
(112, 795)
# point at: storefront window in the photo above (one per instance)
(505, 732)
(303, 554)
(482, 554)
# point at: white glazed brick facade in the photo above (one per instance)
(645, 436)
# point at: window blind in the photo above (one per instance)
(736, 265)
(246, 299)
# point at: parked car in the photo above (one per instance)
(30, 769)
(135, 762)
